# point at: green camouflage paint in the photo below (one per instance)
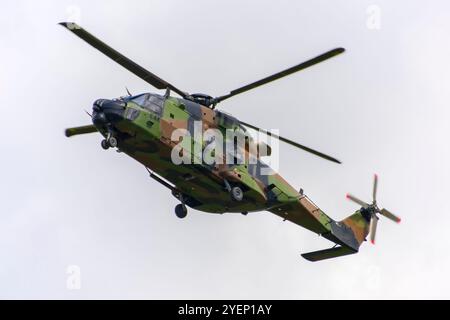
(144, 132)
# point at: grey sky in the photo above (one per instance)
(380, 107)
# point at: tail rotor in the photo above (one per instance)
(370, 211)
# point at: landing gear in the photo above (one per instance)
(105, 144)
(109, 142)
(237, 194)
(181, 210)
(112, 142)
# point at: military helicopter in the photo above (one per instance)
(142, 126)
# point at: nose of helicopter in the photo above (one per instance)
(107, 111)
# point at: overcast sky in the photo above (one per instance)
(380, 107)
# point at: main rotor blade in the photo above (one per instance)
(390, 215)
(284, 73)
(292, 143)
(355, 199)
(375, 185)
(80, 130)
(373, 228)
(128, 64)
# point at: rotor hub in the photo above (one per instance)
(204, 100)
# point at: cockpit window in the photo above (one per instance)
(131, 114)
(151, 102)
(138, 99)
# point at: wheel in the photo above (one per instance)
(105, 144)
(180, 211)
(112, 142)
(245, 213)
(237, 194)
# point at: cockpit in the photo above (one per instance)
(150, 101)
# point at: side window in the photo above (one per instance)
(131, 114)
(153, 103)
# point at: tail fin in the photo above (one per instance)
(351, 231)
(359, 224)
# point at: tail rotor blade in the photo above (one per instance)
(360, 202)
(375, 185)
(373, 229)
(390, 215)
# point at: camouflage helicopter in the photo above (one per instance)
(142, 126)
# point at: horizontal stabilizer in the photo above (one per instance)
(328, 253)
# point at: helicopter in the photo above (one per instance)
(142, 126)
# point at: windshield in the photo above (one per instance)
(151, 102)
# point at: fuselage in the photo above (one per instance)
(144, 126)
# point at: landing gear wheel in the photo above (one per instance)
(112, 142)
(180, 211)
(105, 144)
(237, 194)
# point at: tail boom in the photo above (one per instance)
(347, 234)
